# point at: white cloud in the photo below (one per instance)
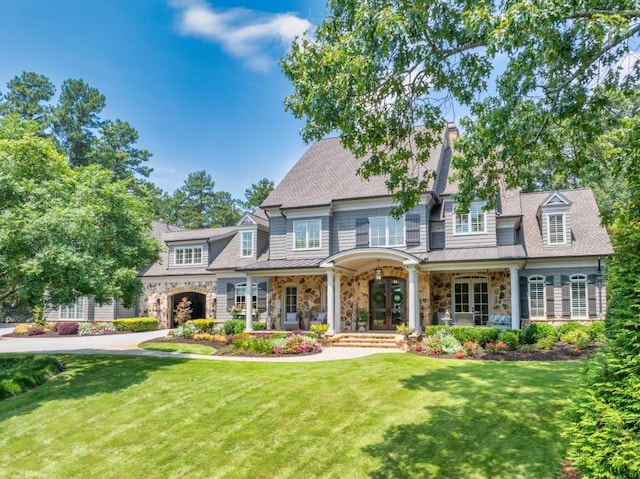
(244, 34)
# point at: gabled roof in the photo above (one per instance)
(556, 198)
(327, 172)
(589, 237)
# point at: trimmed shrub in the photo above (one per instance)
(512, 338)
(136, 325)
(464, 334)
(203, 325)
(35, 330)
(572, 326)
(233, 326)
(68, 328)
(577, 337)
(596, 331)
(537, 331)
(186, 331)
(259, 326)
(21, 329)
(546, 342)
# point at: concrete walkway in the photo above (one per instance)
(128, 344)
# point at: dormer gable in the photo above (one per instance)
(554, 220)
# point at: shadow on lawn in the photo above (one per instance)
(498, 422)
(86, 375)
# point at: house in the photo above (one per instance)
(324, 244)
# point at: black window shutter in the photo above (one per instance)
(262, 296)
(591, 296)
(524, 297)
(412, 227)
(566, 297)
(549, 290)
(362, 232)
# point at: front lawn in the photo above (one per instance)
(185, 348)
(384, 416)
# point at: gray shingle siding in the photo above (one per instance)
(278, 237)
(322, 252)
(225, 292)
(205, 254)
(471, 240)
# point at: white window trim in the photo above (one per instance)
(537, 279)
(284, 298)
(564, 229)
(306, 242)
(184, 248)
(254, 297)
(467, 233)
(386, 232)
(77, 306)
(242, 234)
(579, 278)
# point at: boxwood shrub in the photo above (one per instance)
(537, 331)
(203, 325)
(136, 324)
(19, 373)
(570, 326)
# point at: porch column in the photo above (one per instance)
(515, 299)
(331, 305)
(414, 317)
(248, 304)
(337, 310)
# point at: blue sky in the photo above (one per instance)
(198, 79)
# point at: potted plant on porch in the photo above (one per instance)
(362, 318)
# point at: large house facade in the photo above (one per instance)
(324, 245)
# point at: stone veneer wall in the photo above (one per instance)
(499, 291)
(354, 293)
(160, 293)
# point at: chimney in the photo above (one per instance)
(452, 129)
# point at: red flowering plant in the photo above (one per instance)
(499, 347)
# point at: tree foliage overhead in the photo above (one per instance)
(65, 232)
(377, 68)
(257, 193)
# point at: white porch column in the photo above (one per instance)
(414, 316)
(248, 304)
(515, 299)
(337, 310)
(331, 304)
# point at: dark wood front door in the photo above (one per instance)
(388, 302)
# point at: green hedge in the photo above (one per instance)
(136, 324)
(234, 326)
(467, 333)
(20, 373)
(536, 331)
(203, 325)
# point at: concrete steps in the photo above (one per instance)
(367, 340)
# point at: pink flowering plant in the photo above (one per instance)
(296, 344)
(442, 342)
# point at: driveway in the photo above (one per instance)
(128, 344)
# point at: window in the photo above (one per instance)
(241, 295)
(73, 311)
(555, 229)
(579, 296)
(188, 255)
(246, 244)
(306, 234)
(290, 299)
(386, 231)
(536, 296)
(472, 222)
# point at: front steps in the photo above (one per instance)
(367, 340)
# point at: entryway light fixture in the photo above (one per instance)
(378, 272)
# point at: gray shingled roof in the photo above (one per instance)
(589, 236)
(282, 264)
(199, 234)
(327, 173)
(477, 254)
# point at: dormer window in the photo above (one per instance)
(473, 222)
(556, 229)
(188, 255)
(246, 244)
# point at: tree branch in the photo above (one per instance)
(593, 13)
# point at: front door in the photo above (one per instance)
(388, 302)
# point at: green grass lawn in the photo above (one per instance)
(186, 348)
(384, 416)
